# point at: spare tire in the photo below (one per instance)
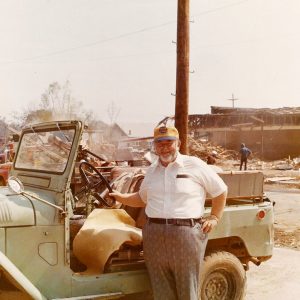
(222, 277)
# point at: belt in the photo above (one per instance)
(178, 222)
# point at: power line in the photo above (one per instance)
(59, 52)
(90, 44)
(220, 8)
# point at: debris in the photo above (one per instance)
(286, 166)
(278, 179)
(203, 150)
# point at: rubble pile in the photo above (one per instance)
(203, 150)
(286, 170)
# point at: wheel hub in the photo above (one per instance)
(217, 287)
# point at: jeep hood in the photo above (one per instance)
(15, 210)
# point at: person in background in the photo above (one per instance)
(175, 234)
(244, 154)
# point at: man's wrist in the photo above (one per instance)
(214, 217)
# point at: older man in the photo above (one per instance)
(175, 234)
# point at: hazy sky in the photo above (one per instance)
(123, 51)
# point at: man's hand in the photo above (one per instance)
(209, 223)
(117, 195)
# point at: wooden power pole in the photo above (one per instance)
(182, 73)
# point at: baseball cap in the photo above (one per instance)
(164, 133)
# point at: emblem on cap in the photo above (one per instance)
(163, 130)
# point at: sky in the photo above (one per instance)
(124, 52)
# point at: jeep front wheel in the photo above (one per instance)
(222, 277)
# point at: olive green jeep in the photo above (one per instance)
(61, 237)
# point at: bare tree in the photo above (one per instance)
(59, 100)
(56, 103)
(113, 113)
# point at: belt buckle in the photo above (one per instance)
(171, 221)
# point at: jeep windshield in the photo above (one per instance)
(45, 150)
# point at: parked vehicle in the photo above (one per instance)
(56, 196)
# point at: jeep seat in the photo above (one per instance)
(103, 233)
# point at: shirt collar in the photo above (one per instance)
(179, 160)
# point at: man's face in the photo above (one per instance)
(167, 150)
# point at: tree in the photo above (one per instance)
(59, 101)
(113, 112)
(56, 103)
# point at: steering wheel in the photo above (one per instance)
(91, 186)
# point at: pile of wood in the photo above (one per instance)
(203, 150)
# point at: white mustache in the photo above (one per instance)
(170, 157)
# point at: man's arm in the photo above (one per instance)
(217, 208)
(130, 199)
(218, 204)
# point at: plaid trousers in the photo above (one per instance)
(174, 255)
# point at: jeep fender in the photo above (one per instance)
(19, 279)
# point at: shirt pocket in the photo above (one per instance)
(185, 185)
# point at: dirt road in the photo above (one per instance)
(287, 221)
(279, 278)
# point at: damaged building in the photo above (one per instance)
(270, 133)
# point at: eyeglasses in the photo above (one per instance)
(164, 144)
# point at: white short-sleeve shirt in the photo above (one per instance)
(179, 190)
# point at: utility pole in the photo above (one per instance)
(233, 99)
(182, 73)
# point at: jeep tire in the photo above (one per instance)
(222, 277)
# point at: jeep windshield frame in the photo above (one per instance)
(45, 150)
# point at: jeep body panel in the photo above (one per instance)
(18, 278)
(16, 210)
(126, 282)
(247, 216)
(242, 221)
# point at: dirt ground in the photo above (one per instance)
(286, 195)
(276, 279)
